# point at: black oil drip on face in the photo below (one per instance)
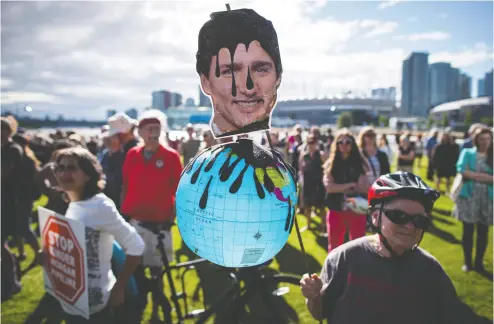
(234, 85)
(250, 83)
(217, 72)
(232, 48)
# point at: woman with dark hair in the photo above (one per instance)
(80, 175)
(377, 160)
(345, 175)
(474, 203)
(48, 183)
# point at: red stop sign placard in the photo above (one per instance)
(64, 260)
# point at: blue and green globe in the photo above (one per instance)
(236, 204)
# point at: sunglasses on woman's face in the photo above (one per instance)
(66, 168)
(371, 135)
(399, 217)
(344, 142)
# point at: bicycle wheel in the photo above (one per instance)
(275, 300)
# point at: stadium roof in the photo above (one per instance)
(456, 105)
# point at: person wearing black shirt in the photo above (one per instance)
(313, 191)
(406, 155)
(12, 155)
(11, 168)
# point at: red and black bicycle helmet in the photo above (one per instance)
(396, 185)
(401, 185)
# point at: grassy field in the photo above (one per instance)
(443, 241)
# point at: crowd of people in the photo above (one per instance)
(121, 185)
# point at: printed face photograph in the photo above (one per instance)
(239, 65)
(244, 92)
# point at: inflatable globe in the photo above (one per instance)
(236, 204)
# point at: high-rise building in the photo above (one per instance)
(132, 113)
(415, 85)
(176, 99)
(465, 86)
(454, 84)
(110, 112)
(488, 84)
(481, 88)
(439, 79)
(392, 94)
(161, 99)
(203, 99)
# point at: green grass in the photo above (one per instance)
(443, 242)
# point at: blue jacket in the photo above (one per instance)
(467, 161)
(429, 145)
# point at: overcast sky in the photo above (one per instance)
(81, 58)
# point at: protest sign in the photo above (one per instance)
(65, 271)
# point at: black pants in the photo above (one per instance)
(430, 170)
(481, 245)
(103, 317)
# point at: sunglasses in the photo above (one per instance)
(346, 142)
(401, 218)
(66, 168)
(311, 143)
(372, 135)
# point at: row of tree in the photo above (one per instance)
(348, 119)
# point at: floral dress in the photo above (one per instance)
(478, 207)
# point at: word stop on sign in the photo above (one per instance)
(60, 242)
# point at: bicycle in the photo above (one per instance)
(245, 284)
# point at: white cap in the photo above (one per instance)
(155, 114)
(120, 123)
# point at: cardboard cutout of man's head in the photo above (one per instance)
(243, 94)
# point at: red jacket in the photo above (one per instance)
(151, 185)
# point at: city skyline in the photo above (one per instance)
(86, 58)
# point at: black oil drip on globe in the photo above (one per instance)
(255, 156)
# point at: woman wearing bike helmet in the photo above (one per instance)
(386, 277)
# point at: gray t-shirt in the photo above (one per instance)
(361, 286)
